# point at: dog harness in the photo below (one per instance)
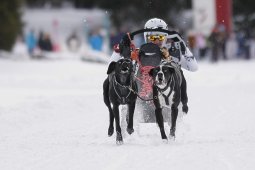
(166, 97)
(171, 82)
(123, 99)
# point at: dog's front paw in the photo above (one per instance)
(110, 131)
(130, 130)
(172, 134)
(171, 138)
(119, 139)
(165, 141)
(185, 108)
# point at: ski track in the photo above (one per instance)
(52, 117)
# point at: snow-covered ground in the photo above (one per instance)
(52, 117)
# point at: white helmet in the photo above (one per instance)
(155, 23)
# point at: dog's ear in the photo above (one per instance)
(171, 69)
(151, 72)
(111, 67)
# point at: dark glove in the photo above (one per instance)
(174, 52)
(183, 48)
(124, 46)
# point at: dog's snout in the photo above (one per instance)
(160, 75)
(125, 64)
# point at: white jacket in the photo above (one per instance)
(187, 61)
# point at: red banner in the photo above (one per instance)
(224, 13)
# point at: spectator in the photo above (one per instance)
(252, 47)
(31, 42)
(192, 42)
(73, 42)
(96, 40)
(201, 45)
(40, 40)
(247, 44)
(231, 46)
(19, 48)
(44, 42)
(116, 36)
(222, 40)
(241, 43)
(214, 40)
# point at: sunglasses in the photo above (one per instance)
(154, 37)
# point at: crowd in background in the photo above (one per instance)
(219, 45)
(35, 44)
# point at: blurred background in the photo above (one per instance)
(215, 30)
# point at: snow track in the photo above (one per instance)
(52, 117)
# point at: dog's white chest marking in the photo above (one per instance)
(162, 99)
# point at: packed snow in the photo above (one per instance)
(52, 117)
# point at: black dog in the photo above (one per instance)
(167, 86)
(117, 91)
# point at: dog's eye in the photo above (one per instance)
(164, 70)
